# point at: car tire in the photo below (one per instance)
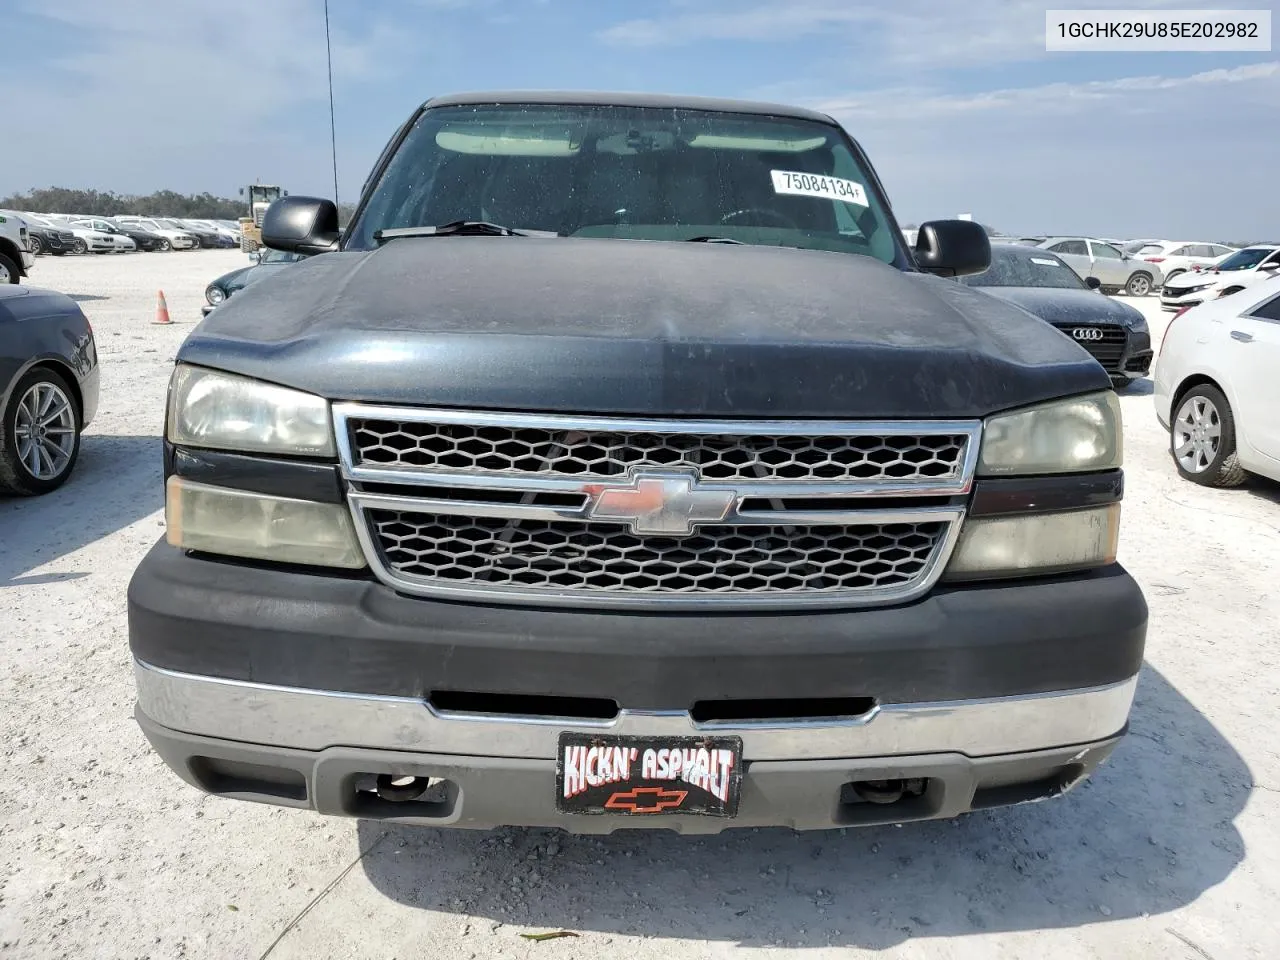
(58, 253)
(55, 459)
(79, 246)
(162, 245)
(8, 270)
(1140, 284)
(1200, 457)
(34, 245)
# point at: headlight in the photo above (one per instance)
(220, 410)
(1036, 543)
(214, 294)
(238, 523)
(1066, 436)
(1137, 324)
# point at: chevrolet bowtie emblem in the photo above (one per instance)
(659, 503)
(646, 800)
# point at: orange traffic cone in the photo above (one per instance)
(162, 310)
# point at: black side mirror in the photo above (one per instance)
(301, 225)
(953, 248)
(1093, 283)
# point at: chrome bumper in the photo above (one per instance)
(315, 720)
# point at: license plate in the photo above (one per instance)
(648, 776)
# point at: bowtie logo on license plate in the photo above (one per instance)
(659, 503)
(648, 776)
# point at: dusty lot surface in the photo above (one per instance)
(1173, 850)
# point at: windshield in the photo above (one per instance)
(172, 225)
(1150, 248)
(637, 173)
(1025, 268)
(1245, 259)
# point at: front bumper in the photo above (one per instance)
(1174, 299)
(482, 791)
(294, 687)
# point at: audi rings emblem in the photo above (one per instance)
(1087, 333)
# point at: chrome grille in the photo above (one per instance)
(484, 448)
(607, 511)
(557, 556)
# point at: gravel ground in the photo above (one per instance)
(1173, 850)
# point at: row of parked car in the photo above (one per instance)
(59, 234)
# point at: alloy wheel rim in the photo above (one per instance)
(1197, 434)
(46, 431)
(1141, 287)
(4, 274)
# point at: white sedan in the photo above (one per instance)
(1217, 387)
(1244, 268)
(120, 243)
(89, 240)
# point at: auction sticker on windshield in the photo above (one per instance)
(815, 185)
(647, 776)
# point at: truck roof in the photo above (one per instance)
(600, 98)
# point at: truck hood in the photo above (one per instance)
(638, 327)
(1065, 307)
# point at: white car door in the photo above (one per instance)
(1109, 264)
(1253, 359)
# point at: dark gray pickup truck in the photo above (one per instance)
(620, 466)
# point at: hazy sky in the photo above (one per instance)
(957, 103)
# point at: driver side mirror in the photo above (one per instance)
(301, 225)
(952, 248)
(1093, 283)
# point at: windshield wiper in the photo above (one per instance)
(713, 240)
(460, 228)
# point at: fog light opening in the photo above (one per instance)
(401, 789)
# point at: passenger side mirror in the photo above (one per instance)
(952, 248)
(301, 225)
(1273, 265)
(1093, 283)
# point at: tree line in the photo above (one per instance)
(162, 203)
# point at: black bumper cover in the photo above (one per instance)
(316, 631)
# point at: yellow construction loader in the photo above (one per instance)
(260, 197)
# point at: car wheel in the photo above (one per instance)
(162, 245)
(8, 270)
(39, 434)
(1202, 438)
(34, 245)
(1139, 285)
(58, 253)
(79, 246)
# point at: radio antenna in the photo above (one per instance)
(333, 130)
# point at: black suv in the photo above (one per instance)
(618, 466)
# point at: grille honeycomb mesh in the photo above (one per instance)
(603, 558)
(528, 450)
